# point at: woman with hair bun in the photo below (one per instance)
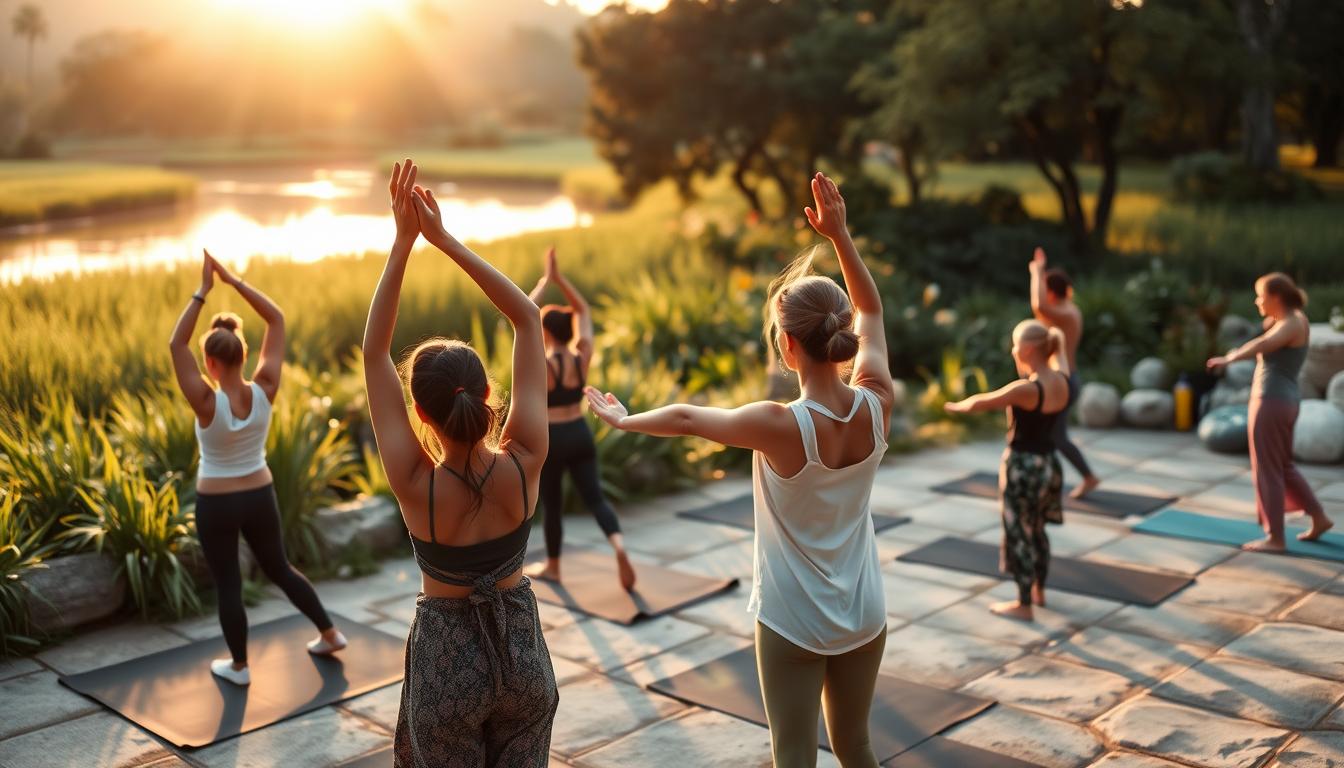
(234, 492)
(1279, 354)
(817, 590)
(1030, 479)
(479, 686)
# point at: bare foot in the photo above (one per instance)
(1318, 527)
(547, 571)
(1013, 609)
(1088, 485)
(1264, 545)
(626, 570)
(1038, 595)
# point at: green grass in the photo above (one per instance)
(36, 190)
(538, 161)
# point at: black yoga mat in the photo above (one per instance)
(173, 694)
(904, 714)
(942, 752)
(738, 514)
(1102, 501)
(1084, 577)
(590, 585)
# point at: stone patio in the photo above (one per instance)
(1243, 669)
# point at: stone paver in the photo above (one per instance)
(894, 501)
(1323, 609)
(1313, 750)
(682, 658)
(605, 646)
(1080, 610)
(673, 538)
(35, 700)
(103, 647)
(956, 514)
(1259, 568)
(1230, 499)
(1162, 553)
(942, 659)
(1233, 596)
(1153, 484)
(596, 710)
(567, 671)
(732, 561)
(1331, 492)
(1189, 735)
(727, 613)
(908, 599)
(1299, 647)
(701, 738)
(1136, 657)
(380, 706)
(19, 665)
(930, 574)
(1054, 688)
(314, 740)
(1026, 736)
(1131, 760)
(972, 617)
(100, 739)
(1254, 692)
(1208, 472)
(207, 626)
(1180, 624)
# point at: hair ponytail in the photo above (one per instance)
(1282, 287)
(224, 342)
(814, 310)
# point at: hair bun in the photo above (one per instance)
(226, 320)
(843, 345)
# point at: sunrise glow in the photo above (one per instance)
(312, 13)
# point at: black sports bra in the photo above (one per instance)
(560, 394)
(476, 565)
(1033, 431)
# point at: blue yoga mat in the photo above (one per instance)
(1220, 530)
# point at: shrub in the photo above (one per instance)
(22, 547)
(156, 430)
(1213, 177)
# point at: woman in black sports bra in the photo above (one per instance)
(1030, 478)
(479, 686)
(572, 448)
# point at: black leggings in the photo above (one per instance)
(1063, 444)
(573, 450)
(220, 517)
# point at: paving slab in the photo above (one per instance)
(1055, 688)
(1324, 609)
(682, 658)
(556, 616)
(100, 739)
(1149, 484)
(1236, 596)
(726, 614)
(1331, 491)
(890, 547)
(381, 706)
(111, 645)
(909, 599)
(1254, 692)
(567, 671)
(1189, 735)
(964, 515)
(673, 538)
(1259, 568)
(1041, 740)
(1162, 553)
(730, 561)
(932, 574)
(701, 738)
(1208, 472)
(603, 645)
(18, 665)
(726, 489)
(36, 700)
(393, 627)
(1141, 659)
(1132, 760)
(973, 617)
(1321, 749)
(915, 533)
(207, 626)
(893, 501)
(318, 739)
(1298, 647)
(1180, 624)
(1230, 499)
(1079, 610)
(596, 710)
(942, 659)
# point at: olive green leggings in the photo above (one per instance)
(795, 683)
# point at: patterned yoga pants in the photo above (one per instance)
(1029, 487)
(471, 697)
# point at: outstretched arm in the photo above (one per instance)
(525, 427)
(871, 369)
(199, 394)
(1277, 337)
(272, 358)
(583, 316)
(756, 426)
(1019, 393)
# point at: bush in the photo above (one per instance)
(1213, 177)
(22, 548)
(157, 430)
(31, 146)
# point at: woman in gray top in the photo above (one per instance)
(1279, 353)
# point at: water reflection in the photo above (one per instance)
(300, 214)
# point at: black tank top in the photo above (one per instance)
(560, 394)
(473, 565)
(1032, 431)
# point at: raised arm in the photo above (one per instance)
(1059, 358)
(1020, 393)
(1040, 308)
(757, 426)
(582, 314)
(871, 368)
(272, 357)
(198, 393)
(400, 449)
(525, 427)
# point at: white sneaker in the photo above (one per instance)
(320, 647)
(224, 668)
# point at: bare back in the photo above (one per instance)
(840, 444)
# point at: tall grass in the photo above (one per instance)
(23, 545)
(34, 190)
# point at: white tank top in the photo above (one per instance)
(817, 581)
(233, 447)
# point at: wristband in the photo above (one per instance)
(198, 297)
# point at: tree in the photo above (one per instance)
(31, 24)
(890, 120)
(1261, 22)
(1315, 60)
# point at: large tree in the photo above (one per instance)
(1314, 49)
(1261, 22)
(31, 24)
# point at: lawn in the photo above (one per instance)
(35, 190)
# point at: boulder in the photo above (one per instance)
(1325, 358)
(1098, 405)
(1148, 408)
(1239, 374)
(74, 590)
(1307, 388)
(1224, 429)
(1335, 392)
(374, 520)
(1235, 330)
(1318, 436)
(1224, 394)
(1150, 373)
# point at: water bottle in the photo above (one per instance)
(1185, 404)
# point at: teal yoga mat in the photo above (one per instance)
(1220, 530)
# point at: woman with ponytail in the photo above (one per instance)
(1030, 478)
(817, 590)
(479, 686)
(1279, 354)
(234, 493)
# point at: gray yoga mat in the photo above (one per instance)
(942, 752)
(173, 694)
(738, 513)
(1102, 501)
(589, 584)
(1084, 577)
(904, 714)
(1220, 530)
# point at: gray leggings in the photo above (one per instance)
(1063, 444)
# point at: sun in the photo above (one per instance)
(311, 13)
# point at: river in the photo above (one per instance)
(297, 213)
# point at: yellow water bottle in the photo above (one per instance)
(1185, 404)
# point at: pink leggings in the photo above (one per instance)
(1279, 487)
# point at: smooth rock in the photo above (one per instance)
(74, 590)
(1224, 429)
(1318, 436)
(1240, 373)
(1325, 356)
(1098, 405)
(1223, 394)
(1334, 393)
(374, 521)
(1254, 692)
(1150, 373)
(1148, 408)
(1235, 330)
(1201, 738)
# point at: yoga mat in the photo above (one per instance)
(1084, 577)
(904, 714)
(1221, 530)
(942, 752)
(738, 514)
(1102, 501)
(173, 694)
(589, 584)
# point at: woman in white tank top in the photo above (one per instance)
(817, 590)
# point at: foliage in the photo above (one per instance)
(1212, 177)
(33, 190)
(950, 385)
(23, 546)
(538, 161)
(157, 431)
